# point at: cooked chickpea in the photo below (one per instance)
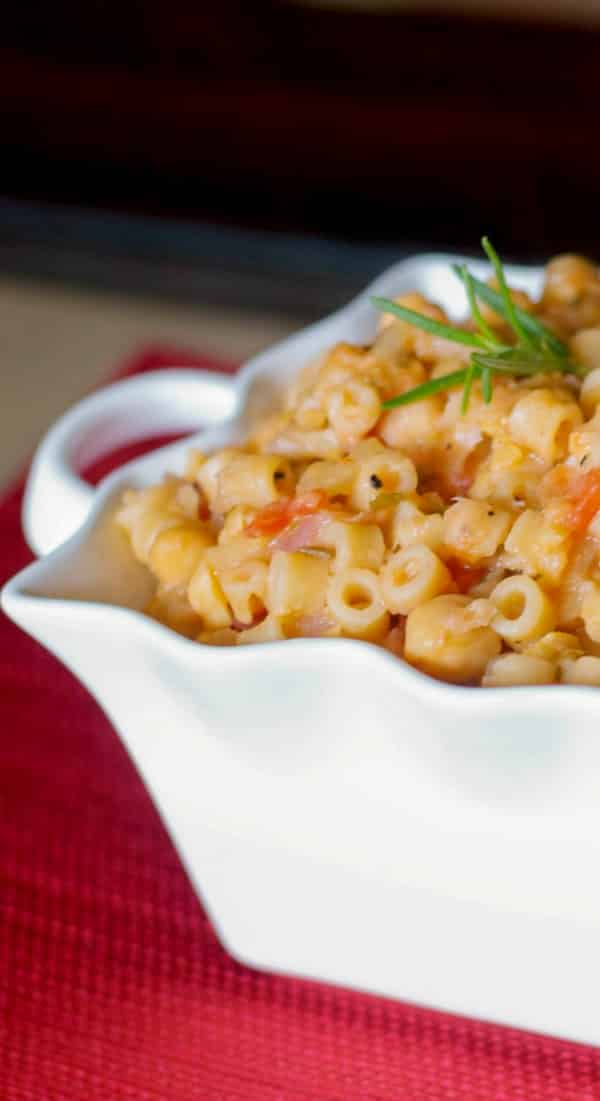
(568, 277)
(511, 669)
(435, 646)
(474, 530)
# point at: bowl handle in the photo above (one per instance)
(57, 500)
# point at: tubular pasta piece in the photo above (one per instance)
(412, 576)
(245, 588)
(270, 630)
(385, 472)
(355, 602)
(524, 610)
(297, 583)
(207, 598)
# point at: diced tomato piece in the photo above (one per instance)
(585, 497)
(306, 503)
(310, 502)
(463, 575)
(203, 509)
(273, 518)
(270, 519)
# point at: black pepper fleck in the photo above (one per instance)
(278, 475)
(376, 482)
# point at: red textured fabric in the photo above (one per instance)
(112, 983)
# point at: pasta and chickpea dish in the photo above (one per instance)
(436, 493)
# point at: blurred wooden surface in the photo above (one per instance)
(57, 343)
(376, 126)
(80, 290)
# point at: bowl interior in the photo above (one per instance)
(96, 564)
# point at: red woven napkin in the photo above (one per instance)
(112, 983)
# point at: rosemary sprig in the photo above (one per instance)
(514, 362)
(479, 368)
(469, 285)
(536, 349)
(509, 308)
(531, 324)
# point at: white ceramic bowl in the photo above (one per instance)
(341, 815)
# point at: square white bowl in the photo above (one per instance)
(341, 815)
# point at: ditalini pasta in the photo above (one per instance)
(441, 502)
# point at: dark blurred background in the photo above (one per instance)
(272, 156)
(383, 122)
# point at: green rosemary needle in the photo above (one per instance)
(523, 335)
(532, 325)
(428, 325)
(536, 349)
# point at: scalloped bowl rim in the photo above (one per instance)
(463, 696)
